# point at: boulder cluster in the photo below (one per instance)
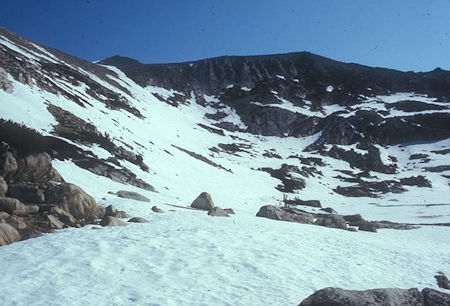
(330, 218)
(205, 202)
(35, 199)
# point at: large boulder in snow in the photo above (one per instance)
(8, 234)
(203, 201)
(14, 206)
(132, 195)
(285, 214)
(27, 193)
(3, 187)
(373, 297)
(36, 168)
(72, 199)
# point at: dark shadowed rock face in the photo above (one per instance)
(377, 297)
(26, 193)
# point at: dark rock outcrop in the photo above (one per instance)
(26, 193)
(296, 202)
(370, 189)
(371, 161)
(419, 181)
(290, 183)
(284, 214)
(377, 297)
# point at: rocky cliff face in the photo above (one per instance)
(300, 94)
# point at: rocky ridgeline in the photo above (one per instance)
(35, 199)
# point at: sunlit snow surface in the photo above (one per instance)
(185, 257)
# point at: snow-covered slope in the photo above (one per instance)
(187, 257)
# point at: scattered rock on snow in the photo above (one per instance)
(111, 221)
(203, 201)
(218, 212)
(156, 209)
(132, 195)
(113, 212)
(138, 220)
(230, 211)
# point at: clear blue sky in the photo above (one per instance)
(399, 34)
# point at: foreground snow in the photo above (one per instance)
(186, 257)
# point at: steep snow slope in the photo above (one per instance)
(187, 257)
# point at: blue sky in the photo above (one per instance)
(399, 34)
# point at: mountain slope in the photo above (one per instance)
(220, 126)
